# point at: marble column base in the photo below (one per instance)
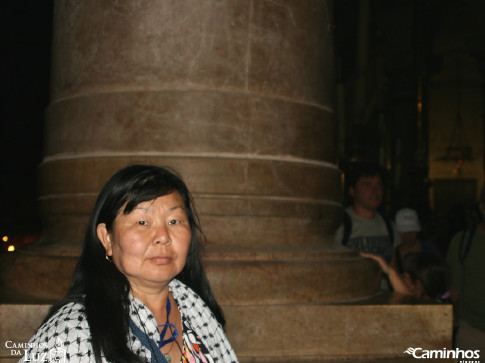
(382, 327)
(256, 278)
(37, 273)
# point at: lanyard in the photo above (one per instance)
(165, 327)
(157, 356)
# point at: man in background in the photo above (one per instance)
(466, 257)
(364, 229)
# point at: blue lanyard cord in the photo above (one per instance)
(157, 356)
(175, 332)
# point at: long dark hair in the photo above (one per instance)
(101, 287)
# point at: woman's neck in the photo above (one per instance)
(154, 299)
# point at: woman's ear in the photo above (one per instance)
(105, 238)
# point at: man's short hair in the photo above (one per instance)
(356, 171)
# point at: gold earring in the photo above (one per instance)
(108, 258)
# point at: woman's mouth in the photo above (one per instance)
(161, 260)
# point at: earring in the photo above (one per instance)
(108, 258)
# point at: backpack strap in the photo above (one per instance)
(466, 242)
(390, 230)
(347, 228)
(347, 221)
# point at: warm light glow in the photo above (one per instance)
(5, 238)
(11, 248)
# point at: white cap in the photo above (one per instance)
(407, 220)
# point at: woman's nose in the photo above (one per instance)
(162, 235)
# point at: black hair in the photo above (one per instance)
(357, 170)
(101, 287)
(431, 270)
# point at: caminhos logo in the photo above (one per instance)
(56, 354)
(464, 356)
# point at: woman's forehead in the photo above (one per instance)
(173, 199)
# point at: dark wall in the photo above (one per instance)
(24, 71)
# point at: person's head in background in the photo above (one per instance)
(426, 275)
(366, 188)
(407, 224)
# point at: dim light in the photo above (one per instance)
(5, 238)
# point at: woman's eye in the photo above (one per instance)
(174, 221)
(142, 223)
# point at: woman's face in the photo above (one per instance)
(150, 244)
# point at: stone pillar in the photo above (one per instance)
(236, 96)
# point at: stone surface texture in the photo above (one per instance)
(377, 329)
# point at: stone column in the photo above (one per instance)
(236, 96)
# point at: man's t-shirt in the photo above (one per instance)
(369, 235)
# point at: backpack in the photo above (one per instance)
(347, 221)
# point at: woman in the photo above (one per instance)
(138, 292)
